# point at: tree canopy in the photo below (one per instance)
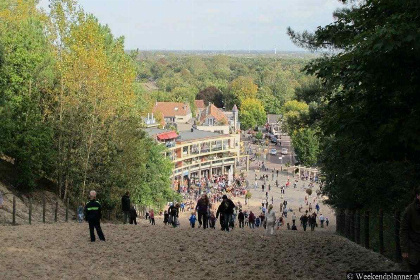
(70, 108)
(221, 79)
(252, 113)
(368, 108)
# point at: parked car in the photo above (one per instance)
(284, 151)
(273, 139)
(273, 152)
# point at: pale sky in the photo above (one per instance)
(210, 24)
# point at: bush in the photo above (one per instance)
(309, 191)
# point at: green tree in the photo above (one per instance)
(252, 113)
(25, 78)
(270, 102)
(292, 111)
(306, 145)
(100, 141)
(369, 124)
(243, 88)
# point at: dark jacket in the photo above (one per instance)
(226, 207)
(251, 218)
(173, 210)
(93, 211)
(410, 232)
(133, 213)
(202, 206)
(125, 203)
(241, 216)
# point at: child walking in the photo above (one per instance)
(152, 217)
(192, 219)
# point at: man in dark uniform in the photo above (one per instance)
(93, 216)
(410, 234)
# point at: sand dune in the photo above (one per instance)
(63, 251)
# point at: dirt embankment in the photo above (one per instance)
(22, 207)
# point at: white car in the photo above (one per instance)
(273, 152)
(284, 151)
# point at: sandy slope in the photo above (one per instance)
(63, 251)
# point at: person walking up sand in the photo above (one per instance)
(202, 208)
(226, 209)
(165, 217)
(270, 220)
(304, 221)
(192, 220)
(133, 215)
(251, 220)
(173, 211)
(312, 221)
(241, 219)
(152, 217)
(125, 205)
(321, 219)
(212, 221)
(93, 215)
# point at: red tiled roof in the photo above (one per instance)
(172, 109)
(167, 135)
(215, 112)
(199, 104)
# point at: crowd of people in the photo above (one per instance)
(200, 201)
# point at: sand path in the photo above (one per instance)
(63, 251)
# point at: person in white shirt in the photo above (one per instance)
(270, 220)
(294, 218)
(321, 219)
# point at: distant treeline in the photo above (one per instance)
(181, 76)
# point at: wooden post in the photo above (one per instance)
(14, 210)
(56, 211)
(343, 223)
(337, 222)
(351, 222)
(67, 210)
(357, 227)
(340, 222)
(30, 210)
(43, 208)
(397, 236)
(347, 225)
(381, 231)
(367, 229)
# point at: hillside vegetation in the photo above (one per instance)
(70, 108)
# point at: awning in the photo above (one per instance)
(167, 135)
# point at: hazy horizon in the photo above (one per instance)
(212, 25)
